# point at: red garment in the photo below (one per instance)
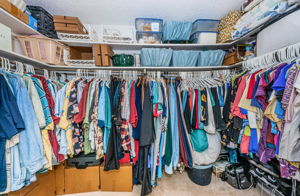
(191, 99)
(235, 110)
(136, 150)
(55, 146)
(251, 85)
(182, 151)
(270, 135)
(125, 159)
(196, 107)
(49, 97)
(155, 113)
(133, 117)
(79, 117)
(244, 146)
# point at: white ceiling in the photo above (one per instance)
(123, 12)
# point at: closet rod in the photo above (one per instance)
(145, 69)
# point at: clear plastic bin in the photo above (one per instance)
(205, 25)
(204, 37)
(148, 37)
(149, 24)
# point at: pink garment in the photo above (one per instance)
(133, 117)
(244, 146)
(235, 110)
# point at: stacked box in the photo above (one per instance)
(69, 24)
(102, 54)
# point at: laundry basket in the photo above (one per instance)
(200, 175)
(42, 49)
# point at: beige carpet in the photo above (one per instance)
(180, 185)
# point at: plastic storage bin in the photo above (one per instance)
(44, 21)
(148, 37)
(200, 175)
(83, 161)
(177, 31)
(211, 58)
(204, 37)
(205, 25)
(123, 60)
(185, 58)
(32, 22)
(156, 56)
(5, 38)
(42, 49)
(149, 24)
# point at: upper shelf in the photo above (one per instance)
(16, 25)
(38, 64)
(136, 46)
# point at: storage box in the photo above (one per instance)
(22, 16)
(231, 58)
(69, 24)
(81, 53)
(147, 37)
(102, 54)
(204, 37)
(14, 10)
(6, 5)
(42, 49)
(45, 21)
(117, 180)
(82, 180)
(20, 4)
(45, 185)
(149, 24)
(32, 22)
(205, 25)
(5, 38)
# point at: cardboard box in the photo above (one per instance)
(45, 185)
(60, 179)
(102, 54)
(231, 58)
(22, 16)
(5, 38)
(6, 5)
(69, 24)
(14, 10)
(117, 180)
(68, 28)
(81, 180)
(81, 53)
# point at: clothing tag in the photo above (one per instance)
(155, 26)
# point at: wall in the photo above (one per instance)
(280, 34)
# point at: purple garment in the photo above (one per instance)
(261, 94)
(289, 87)
(264, 153)
(279, 82)
(287, 170)
(254, 102)
(278, 70)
